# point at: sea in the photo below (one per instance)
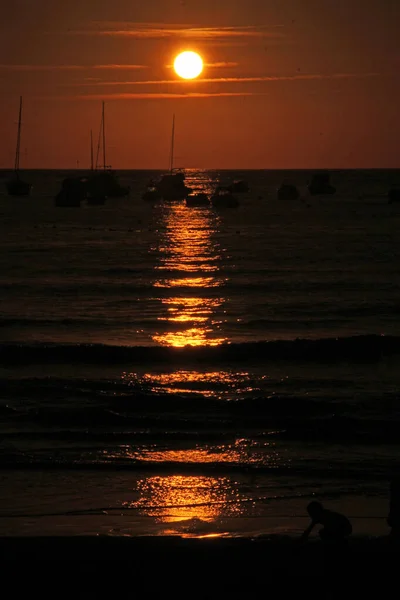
(173, 370)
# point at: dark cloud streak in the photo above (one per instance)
(154, 31)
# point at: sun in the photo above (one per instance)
(188, 65)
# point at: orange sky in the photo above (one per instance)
(288, 83)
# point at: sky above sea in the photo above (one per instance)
(289, 84)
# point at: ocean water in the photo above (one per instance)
(173, 370)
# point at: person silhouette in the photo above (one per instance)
(393, 519)
(335, 526)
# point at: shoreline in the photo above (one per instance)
(273, 555)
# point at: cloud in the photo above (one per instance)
(41, 67)
(215, 65)
(69, 67)
(159, 31)
(119, 67)
(298, 77)
(160, 95)
(261, 79)
(222, 64)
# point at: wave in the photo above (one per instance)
(204, 468)
(95, 411)
(298, 316)
(362, 348)
(160, 286)
(109, 428)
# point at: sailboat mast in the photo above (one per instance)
(17, 151)
(99, 143)
(91, 150)
(104, 140)
(172, 144)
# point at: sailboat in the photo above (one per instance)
(223, 198)
(91, 151)
(288, 191)
(16, 186)
(74, 189)
(172, 185)
(72, 193)
(104, 181)
(94, 196)
(320, 184)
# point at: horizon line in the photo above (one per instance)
(11, 168)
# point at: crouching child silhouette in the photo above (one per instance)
(393, 519)
(336, 528)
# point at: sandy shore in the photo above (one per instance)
(272, 554)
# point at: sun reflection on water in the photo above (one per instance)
(175, 498)
(202, 282)
(189, 259)
(241, 452)
(224, 384)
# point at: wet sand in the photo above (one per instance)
(283, 554)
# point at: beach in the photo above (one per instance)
(366, 566)
(184, 381)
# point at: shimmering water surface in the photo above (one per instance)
(195, 369)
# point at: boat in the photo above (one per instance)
(394, 195)
(239, 187)
(198, 199)
(287, 191)
(95, 195)
(17, 186)
(320, 184)
(152, 194)
(73, 192)
(223, 198)
(172, 185)
(104, 180)
(93, 199)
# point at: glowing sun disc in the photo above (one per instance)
(188, 65)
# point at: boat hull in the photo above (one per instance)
(152, 195)
(320, 185)
(72, 193)
(224, 201)
(288, 192)
(198, 200)
(66, 200)
(105, 183)
(96, 200)
(17, 187)
(394, 195)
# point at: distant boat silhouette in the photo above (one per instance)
(72, 193)
(104, 181)
(239, 187)
(394, 195)
(16, 186)
(199, 199)
(152, 194)
(95, 195)
(172, 186)
(320, 184)
(223, 198)
(75, 190)
(287, 191)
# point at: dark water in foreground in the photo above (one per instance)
(192, 368)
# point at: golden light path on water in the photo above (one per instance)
(181, 503)
(187, 272)
(183, 497)
(240, 452)
(190, 260)
(175, 498)
(222, 384)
